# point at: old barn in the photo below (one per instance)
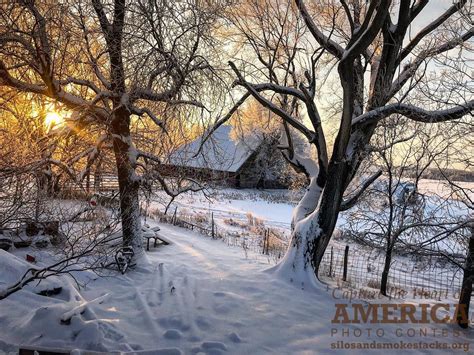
(251, 162)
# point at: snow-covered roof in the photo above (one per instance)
(220, 152)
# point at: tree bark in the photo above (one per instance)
(329, 208)
(462, 315)
(125, 157)
(311, 235)
(386, 270)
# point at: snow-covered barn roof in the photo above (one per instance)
(220, 152)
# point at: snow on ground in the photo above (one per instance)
(441, 188)
(199, 295)
(273, 206)
(196, 296)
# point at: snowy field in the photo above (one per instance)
(273, 207)
(195, 296)
(201, 296)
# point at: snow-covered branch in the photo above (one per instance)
(310, 135)
(430, 28)
(332, 47)
(141, 111)
(374, 19)
(410, 69)
(285, 90)
(352, 200)
(415, 113)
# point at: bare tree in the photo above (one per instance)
(364, 40)
(467, 282)
(111, 62)
(394, 214)
(461, 223)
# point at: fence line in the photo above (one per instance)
(104, 183)
(266, 242)
(429, 279)
(357, 267)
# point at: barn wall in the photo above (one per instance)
(250, 177)
(217, 177)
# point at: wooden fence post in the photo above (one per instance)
(330, 262)
(173, 220)
(265, 234)
(268, 242)
(346, 257)
(264, 241)
(88, 182)
(212, 225)
(267, 237)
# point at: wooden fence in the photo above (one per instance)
(106, 183)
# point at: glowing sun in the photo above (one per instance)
(52, 119)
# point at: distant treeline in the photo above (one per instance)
(451, 174)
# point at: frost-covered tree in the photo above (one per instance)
(382, 50)
(394, 215)
(112, 63)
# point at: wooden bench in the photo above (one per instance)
(115, 239)
(152, 233)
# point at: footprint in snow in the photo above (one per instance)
(210, 348)
(202, 323)
(110, 332)
(174, 323)
(172, 334)
(234, 337)
(214, 345)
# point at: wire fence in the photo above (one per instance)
(261, 240)
(430, 277)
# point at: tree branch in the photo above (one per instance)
(310, 135)
(221, 121)
(411, 68)
(369, 29)
(331, 46)
(351, 201)
(429, 28)
(415, 113)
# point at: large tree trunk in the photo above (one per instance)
(296, 264)
(125, 156)
(308, 203)
(311, 235)
(329, 207)
(466, 288)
